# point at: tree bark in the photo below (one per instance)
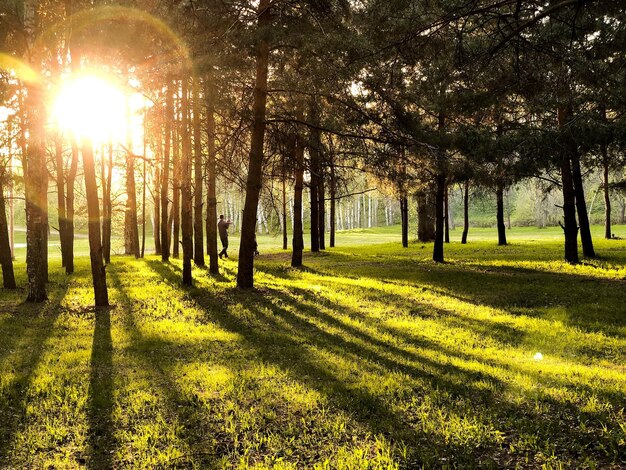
(70, 182)
(175, 216)
(314, 167)
(500, 214)
(165, 174)
(131, 228)
(35, 181)
(570, 229)
(321, 212)
(404, 212)
(465, 212)
(447, 216)
(581, 205)
(211, 218)
(6, 259)
(157, 195)
(245, 272)
(107, 207)
(333, 202)
(95, 243)
(186, 196)
(198, 231)
(284, 204)
(298, 230)
(439, 217)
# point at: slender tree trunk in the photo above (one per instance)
(11, 205)
(143, 193)
(447, 215)
(186, 196)
(211, 218)
(500, 214)
(465, 212)
(198, 234)
(93, 211)
(439, 218)
(607, 193)
(156, 226)
(284, 201)
(314, 165)
(570, 228)
(176, 180)
(165, 175)
(107, 208)
(6, 260)
(245, 272)
(60, 180)
(581, 205)
(333, 202)
(36, 197)
(322, 210)
(298, 230)
(404, 212)
(131, 226)
(70, 183)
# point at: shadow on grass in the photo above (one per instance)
(289, 340)
(100, 405)
(31, 325)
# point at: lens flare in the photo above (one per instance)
(91, 107)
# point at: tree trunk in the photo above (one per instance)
(6, 260)
(131, 229)
(107, 207)
(36, 197)
(298, 231)
(70, 183)
(447, 216)
(404, 212)
(581, 205)
(284, 201)
(143, 192)
(465, 213)
(95, 243)
(156, 200)
(186, 196)
(314, 168)
(198, 250)
(439, 217)
(570, 229)
(500, 214)
(333, 202)
(425, 216)
(607, 193)
(165, 175)
(321, 191)
(211, 218)
(245, 272)
(176, 179)
(60, 180)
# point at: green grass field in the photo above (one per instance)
(371, 356)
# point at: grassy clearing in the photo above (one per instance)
(370, 357)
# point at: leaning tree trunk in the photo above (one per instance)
(211, 198)
(245, 272)
(298, 230)
(404, 212)
(570, 229)
(36, 197)
(439, 217)
(581, 205)
(165, 175)
(185, 188)
(500, 214)
(465, 213)
(607, 194)
(6, 260)
(93, 212)
(198, 250)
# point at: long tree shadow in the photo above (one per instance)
(32, 326)
(283, 338)
(100, 405)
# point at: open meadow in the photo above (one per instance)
(371, 356)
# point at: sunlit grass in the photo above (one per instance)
(371, 356)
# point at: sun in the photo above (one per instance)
(92, 107)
